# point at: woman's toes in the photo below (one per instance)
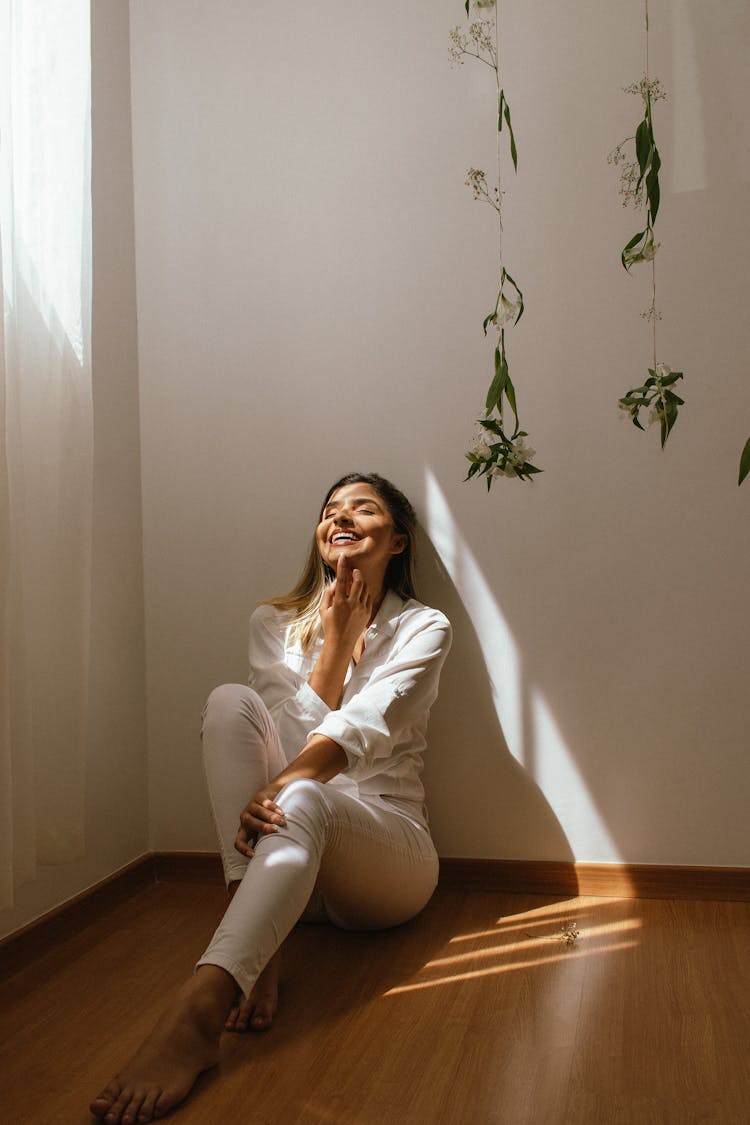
(148, 1108)
(262, 1017)
(104, 1101)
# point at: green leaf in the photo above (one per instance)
(643, 145)
(633, 242)
(510, 393)
(497, 386)
(513, 149)
(744, 462)
(490, 317)
(514, 283)
(503, 111)
(652, 185)
(468, 2)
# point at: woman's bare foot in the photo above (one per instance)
(260, 1007)
(184, 1042)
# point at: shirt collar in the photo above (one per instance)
(387, 616)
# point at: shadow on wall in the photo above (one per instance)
(483, 803)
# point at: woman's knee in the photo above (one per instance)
(231, 703)
(304, 799)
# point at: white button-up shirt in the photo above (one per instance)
(381, 722)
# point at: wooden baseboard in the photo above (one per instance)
(566, 879)
(187, 867)
(603, 880)
(35, 938)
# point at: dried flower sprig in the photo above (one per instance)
(639, 182)
(499, 449)
(570, 933)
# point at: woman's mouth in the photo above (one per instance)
(341, 537)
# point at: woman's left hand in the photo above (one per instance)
(260, 817)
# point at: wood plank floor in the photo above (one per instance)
(476, 1013)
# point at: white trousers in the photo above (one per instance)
(339, 858)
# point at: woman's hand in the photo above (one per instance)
(260, 817)
(346, 609)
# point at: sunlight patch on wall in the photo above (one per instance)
(558, 777)
(499, 649)
(542, 750)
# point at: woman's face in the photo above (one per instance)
(357, 522)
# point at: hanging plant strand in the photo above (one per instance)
(639, 184)
(499, 448)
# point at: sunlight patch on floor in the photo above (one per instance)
(494, 970)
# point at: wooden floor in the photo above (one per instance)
(477, 1013)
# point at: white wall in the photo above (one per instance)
(116, 828)
(312, 275)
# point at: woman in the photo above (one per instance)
(327, 738)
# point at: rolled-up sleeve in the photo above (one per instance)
(393, 704)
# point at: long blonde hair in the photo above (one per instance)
(304, 600)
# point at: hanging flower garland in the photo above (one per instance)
(639, 184)
(499, 449)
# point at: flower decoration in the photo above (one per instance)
(639, 184)
(499, 448)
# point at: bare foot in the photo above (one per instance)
(260, 1007)
(184, 1042)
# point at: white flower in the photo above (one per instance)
(481, 447)
(507, 312)
(649, 249)
(662, 371)
(517, 453)
(645, 253)
(520, 452)
(508, 471)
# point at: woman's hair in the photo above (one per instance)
(304, 600)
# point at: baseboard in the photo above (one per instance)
(37, 937)
(553, 877)
(603, 880)
(550, 877)
(187, 867)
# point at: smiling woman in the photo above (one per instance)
(325, 746)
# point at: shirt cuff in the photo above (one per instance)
(311, 705)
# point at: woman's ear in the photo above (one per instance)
(398, 546)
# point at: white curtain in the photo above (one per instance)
(46, 418)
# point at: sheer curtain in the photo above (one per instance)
(46, 417)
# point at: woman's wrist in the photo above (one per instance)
(320, 760)
(328, 675)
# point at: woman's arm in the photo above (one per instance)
(320, 760)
